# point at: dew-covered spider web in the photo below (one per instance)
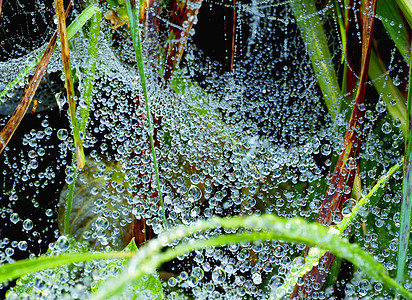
(241, 128)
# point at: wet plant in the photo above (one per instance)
(193, 149)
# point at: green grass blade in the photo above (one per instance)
(394, 25)
(316, 42)
(90, 70)
(389, 93)
(406, 7)
(71, 31)
(131, 11)
(406, 208)
(264, 227)
(68, 208)
(19, 268)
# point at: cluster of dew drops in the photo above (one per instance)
(255, 134)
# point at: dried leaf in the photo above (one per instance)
(64, 46)
(14, 121)
(183, 15)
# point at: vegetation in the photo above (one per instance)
(265, 165)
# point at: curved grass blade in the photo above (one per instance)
(14, 121)
(131, 11)
(19, 268)
(71, 31)
(406, 209)
(265, 227)
(64, 46)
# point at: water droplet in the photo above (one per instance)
(218, 275)
(386, 128)
(14, 218)
(62, 243)
(28, 224)
(62, 134)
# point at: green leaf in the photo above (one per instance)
(90, 70)
(406, 7)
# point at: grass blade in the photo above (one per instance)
(406, 209)
(264, 227)
(318, 50)
(64, 42)
(14, 121)
(71, 31)
(229, 25)
(90, 70)
(19, 268)
(394, 25)
(131, 10)
(387, 90)
(406, 7)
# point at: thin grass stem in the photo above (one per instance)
(131, 10)
(406, 208)
(69, 202)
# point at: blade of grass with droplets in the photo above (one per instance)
(264, 227)
(69, 201)
(406, 208)
(387, 90)
(21, 109)
(314, 255)
(316, 43)
(90, 70)
(132, 13)
(71, 31)
(64, 46)
(20, 268)
(406, 8)
(14, 121)
(394, 24)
